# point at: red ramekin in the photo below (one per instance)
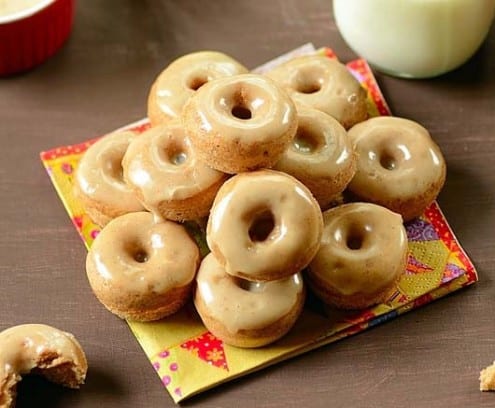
(29, 37)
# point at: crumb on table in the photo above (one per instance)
(487, 378)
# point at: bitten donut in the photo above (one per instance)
(320, 156)
(264, 225)
(240, 123)
(324, 84)
(180, 80)
(362, 255)
(244, 313)
(166, 175)
(399, 165)
(140, 269)
(487, 378)
(99, 186)
(39, 349)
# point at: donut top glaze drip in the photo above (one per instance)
(397, 157)
(237, 106)
(243, 305)
(179, 81)
(320, 144)
(99, 173)
(164, 167)
(138, 254)
(360, 242)
(23, 347)
(258, 222)
(321, 83)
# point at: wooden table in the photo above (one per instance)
(100, 80)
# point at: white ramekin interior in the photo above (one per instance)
(10, 18)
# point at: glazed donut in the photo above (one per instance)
(179, 81)
(321, 156)
(399, 165)
(243, 313)
(362, 255)
(140, 269)
(264, 225)
(324, 84)
(240, 123)
(39, 349)
(99, 186)
(166, 175)
(487, 378)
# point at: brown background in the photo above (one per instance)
(99, 81)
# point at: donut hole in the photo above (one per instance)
(356, 236)
(244, 100)
(140, 256)
(354, 242)
(262, 225)
(240, 111)
(388, 161)
(137, 252)
(306, 141)
(308, 87)
(178, 158)
(112, 167)
(175, 154)
(116, 170)
(196, 82)
(308, 81)
(249, 286)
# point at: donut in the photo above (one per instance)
(362, 255)
(140, 269)
(399, 165)
(264, 225)
(240, 123)
(243, 313)
(320, 156)
(324, 84)
(487, 378)
(99, 185)
(39, 349)
(166, 175)
(179, 81)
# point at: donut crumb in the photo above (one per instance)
(487, 378)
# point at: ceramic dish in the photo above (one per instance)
(28, 36)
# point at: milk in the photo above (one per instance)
(414, 38)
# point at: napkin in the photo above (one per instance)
(188, 359)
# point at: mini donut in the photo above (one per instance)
(243, 313)
(39, 349)
(362, 255)
(399, 165)
(487, 378)
(166, 175)
(324, 84)
(320, 156)
(264, 225)
(99, 186)
(140, 269)
(240, 123)
(179, 81)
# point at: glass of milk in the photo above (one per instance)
(414, 38)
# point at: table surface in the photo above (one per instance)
(100, 80)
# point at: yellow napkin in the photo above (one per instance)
(188, 359)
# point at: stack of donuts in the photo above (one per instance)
(264, 161)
